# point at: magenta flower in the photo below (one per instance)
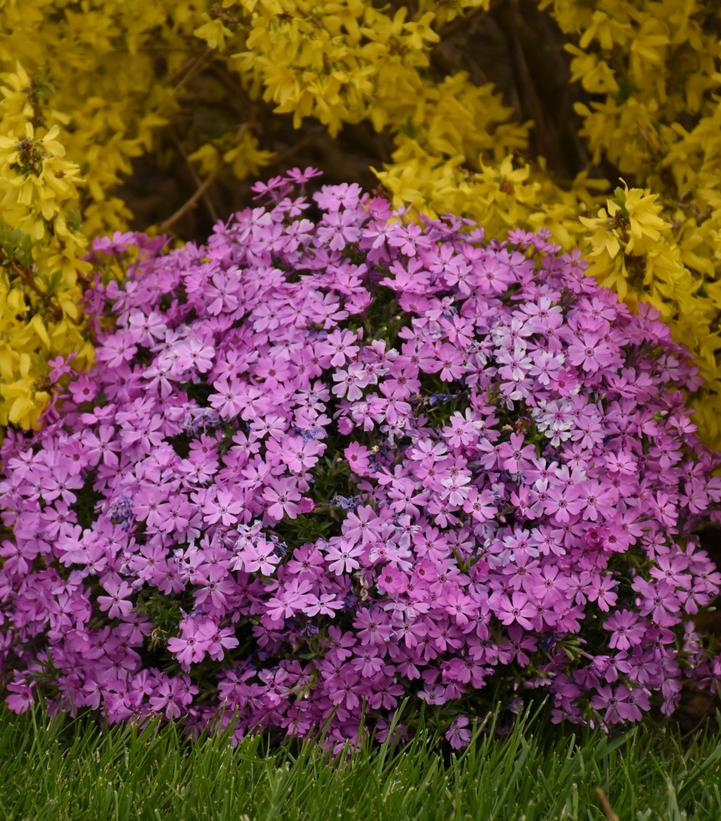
(343, 557)
(116, 602)
(617, 703)
(628, 630)
(358, 458)
(334, 459)
(222, 508)
(591, 352)
(514, 456)
(517, 608)
(459, 734)
(282, 497)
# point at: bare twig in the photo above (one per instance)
(196, 179)
(189, 68)
(199, 193)
(462, 21)
(190, 203)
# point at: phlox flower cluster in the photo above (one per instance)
(332, 461)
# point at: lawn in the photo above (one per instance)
(74, 769)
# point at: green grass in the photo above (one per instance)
(60, 769)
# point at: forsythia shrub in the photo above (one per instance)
(114, 77)
(333, 460)
(651, 75)
(77, 103)
(41, 246)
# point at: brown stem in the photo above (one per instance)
(200, 192)
(190, 203)
(511, 20)
(189, 68)
(461, 22)
(29, 280)
(196, 179)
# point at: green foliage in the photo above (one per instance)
(73, 769)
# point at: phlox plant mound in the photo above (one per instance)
(332, 461)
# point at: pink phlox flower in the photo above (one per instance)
(282, 497)
(222, 507)
(198, 635)
(343, 556)
(21, 695)
(116, 350)
(626, 628)
(173, 696)
(617, 704)
(658, 601)
(214, 586)
(544, 316)
(406, 497)
(598, 498)
(373, 626)
(591, 352)
(517, 607)
(456, 487)
(116, 603)
(338, 348)
(563, 502)
(600, 589)
(255, 555)
(664, 507)
(291, 597)
(513, 456)
(323, 604)
(392, 581)
(358, 457)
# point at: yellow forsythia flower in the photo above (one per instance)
(98, 80)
